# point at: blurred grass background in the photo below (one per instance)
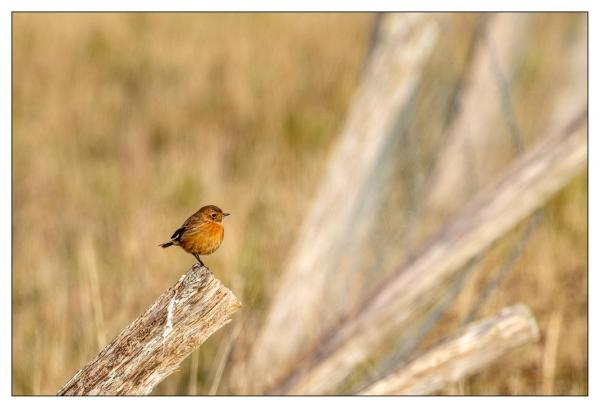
(125, 124)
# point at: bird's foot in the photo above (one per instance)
(200, 263)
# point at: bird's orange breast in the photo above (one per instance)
(203, 240)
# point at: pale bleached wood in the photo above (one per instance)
(524, 187)
(467, 352)
(154, 345)
(472, 139)
(389, 82)
(475, 150)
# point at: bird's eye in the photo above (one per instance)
(213, 215)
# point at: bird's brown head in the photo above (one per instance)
(212, 213)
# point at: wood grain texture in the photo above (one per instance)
(154, 345)
(523, 188)
(470, 350)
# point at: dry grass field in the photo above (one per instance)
(124, 125)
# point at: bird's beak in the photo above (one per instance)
(226, 214)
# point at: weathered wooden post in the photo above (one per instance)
(154, 345)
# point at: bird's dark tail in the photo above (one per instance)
(166, 244)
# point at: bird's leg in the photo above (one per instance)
(199, 260)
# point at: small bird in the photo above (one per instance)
(201, 234)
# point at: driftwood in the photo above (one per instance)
(527, 185)
(154, 345)
(465, 353)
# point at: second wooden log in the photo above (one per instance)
(465, 353)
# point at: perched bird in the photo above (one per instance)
(201, 234)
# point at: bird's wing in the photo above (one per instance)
(189, 225)
(177, 234)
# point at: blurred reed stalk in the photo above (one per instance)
(551, 344)
(223, 358)
(193, 379)
(89, 264)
